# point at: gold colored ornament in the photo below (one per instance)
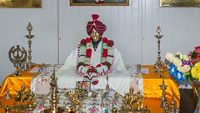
(159, 65)
(54, 97)
(21, 94)
(18, 57)
(20, 3)
(133, 103)
(7, 96)
(7, 109)
(163, 101)
(29, 37)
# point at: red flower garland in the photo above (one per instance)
(88, 71)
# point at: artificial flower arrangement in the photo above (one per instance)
(179, 66)
(195, 58)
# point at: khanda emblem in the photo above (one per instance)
(17, 56)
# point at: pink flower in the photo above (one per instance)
(197, 49)
(40, 106)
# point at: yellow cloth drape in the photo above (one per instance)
(14, 83)
(152, 91)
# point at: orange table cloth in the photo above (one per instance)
(14, 83)
(152, 91)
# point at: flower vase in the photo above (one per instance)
(196, 89)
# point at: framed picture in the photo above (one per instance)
(99, 2)
(20, 3)
(179, 3)
(83, 85)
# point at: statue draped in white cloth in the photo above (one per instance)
(93, 60)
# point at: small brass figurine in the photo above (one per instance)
(7, 96)
(133, 103)
(7, 109)
(21, 93)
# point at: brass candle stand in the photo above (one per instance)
(29, 37)
(107, 84)
(163, 101)
(159, 66)
(54, 97)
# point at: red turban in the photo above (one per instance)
(95, 24)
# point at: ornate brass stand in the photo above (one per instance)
(54, 97)
(29, 37)
(163, 101)
(159, 65)
(107, 84)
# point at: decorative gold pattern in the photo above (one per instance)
(180, 3)
(89, 3)
(20, 3)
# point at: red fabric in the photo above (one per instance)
(95, 17)
(95, 24)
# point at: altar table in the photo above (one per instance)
(152, 91)
(14, 83)
(151, 82)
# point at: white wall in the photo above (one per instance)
(131, 27)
